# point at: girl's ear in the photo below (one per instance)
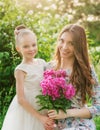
(17, 48)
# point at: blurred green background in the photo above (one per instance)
(46, 18)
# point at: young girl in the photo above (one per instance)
(22, 113)
(72, 56)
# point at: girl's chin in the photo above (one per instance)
(29, 57)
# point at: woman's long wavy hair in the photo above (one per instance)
(81, 76)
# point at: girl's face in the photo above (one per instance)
(65, 46)
(28, 46)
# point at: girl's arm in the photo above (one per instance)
(20, 76)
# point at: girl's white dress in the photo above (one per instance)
(17, 118)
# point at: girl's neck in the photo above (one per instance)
(67, 64)
(28, 61)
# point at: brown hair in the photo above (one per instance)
(81, 75)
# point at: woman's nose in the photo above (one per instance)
(65, 46)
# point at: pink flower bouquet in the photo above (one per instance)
(57, 91)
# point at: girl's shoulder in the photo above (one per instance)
(40, 61)
(22, 67)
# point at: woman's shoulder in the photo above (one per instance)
(94, 75)
(51, 65)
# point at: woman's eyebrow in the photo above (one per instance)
(61, 39)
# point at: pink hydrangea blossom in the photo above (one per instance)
(55, 85)
(57, 91)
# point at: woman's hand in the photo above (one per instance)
(54, 115)
(77, 113)
(47, 122)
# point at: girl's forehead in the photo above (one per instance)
(29, 35)
(28, 38)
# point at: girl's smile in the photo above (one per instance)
(28, 46)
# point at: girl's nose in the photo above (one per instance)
(31, 48)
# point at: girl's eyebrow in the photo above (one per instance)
(33, 42)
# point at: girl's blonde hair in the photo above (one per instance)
(20, 31)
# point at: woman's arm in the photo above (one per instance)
(95, 108)
(20, 76)
(80, 113)
(86, 112)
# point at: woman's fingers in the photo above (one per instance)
(52, 114)
(50, 111)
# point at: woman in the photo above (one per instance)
(72, 55)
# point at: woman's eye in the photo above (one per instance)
(70, 43)
(61, 41)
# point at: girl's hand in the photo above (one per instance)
(54, 115)
(47, 122)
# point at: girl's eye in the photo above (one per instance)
(34, 45)
(26, 46)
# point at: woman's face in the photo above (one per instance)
(65, 46)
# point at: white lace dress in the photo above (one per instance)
(17, 118)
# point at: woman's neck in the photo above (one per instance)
(67, 64)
